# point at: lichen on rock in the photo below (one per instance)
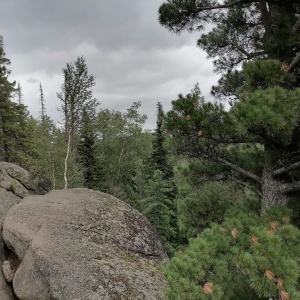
(83, 244)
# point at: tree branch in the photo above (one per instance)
(225, 5)
(249, 187)
(234, 167)
(290, 187)
(294, 63)
(296, 27)
(287, 168)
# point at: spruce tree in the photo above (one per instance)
(43, 115)
(158, 162)
(15, 137)
(159, 155)
(157, 208)
(20, 93)
(87, 152)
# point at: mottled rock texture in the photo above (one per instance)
(15, 183)
(79, 244)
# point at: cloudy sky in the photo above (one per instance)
(131, 56)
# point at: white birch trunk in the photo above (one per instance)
(66, 160)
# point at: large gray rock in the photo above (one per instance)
(81, 244)
(15, 183)
(7, 200)
(16, 179)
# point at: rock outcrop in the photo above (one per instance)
(79, 244)
(15, 183)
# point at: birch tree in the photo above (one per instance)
(75, 96)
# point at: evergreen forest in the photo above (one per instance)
(219, 180)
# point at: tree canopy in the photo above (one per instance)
(256, 47)
(238, 31)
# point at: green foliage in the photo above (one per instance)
(76, 96)
(206, 205)
(159, 162)
(241, 31)
(122, 147)
(264, 74)
(48, 163)
(76, 93)
(159, 155)
(157, 208)
(257, 135)
(194, 123)
(87, 152)
(15, 134)
(246, 257)
(271, 113)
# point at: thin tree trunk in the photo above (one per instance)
(120, 157)
(53, 176)
(66, 160)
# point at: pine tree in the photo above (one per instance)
(255, 143)
(248, 257)
(242, 31)
(261, 77)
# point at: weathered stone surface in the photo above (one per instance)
(85, 245)
(15, 179)
(15, 183)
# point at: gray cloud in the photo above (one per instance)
(130, 55)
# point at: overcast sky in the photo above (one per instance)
(131, 56)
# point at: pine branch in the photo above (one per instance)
(287, 168)
(245, 184)
(294, 63)
(229, 5)
(248, 55)
(234, 167)
(290, 187)
(296, 27)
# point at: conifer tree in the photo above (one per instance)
(43, 107)
(264, 119)
(20, 93)
(248, 257)
(242, 31)
(255, 143)
(159, 156)
(87, 152)
(15, 137)
(158, 162)
(157, 208)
